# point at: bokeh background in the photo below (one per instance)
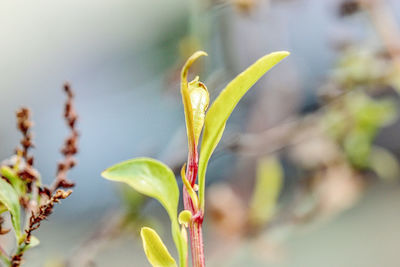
(323, 122)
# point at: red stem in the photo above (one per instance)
(195, 227)
(196, 237)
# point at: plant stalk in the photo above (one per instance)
(195, 227)
(196, 237)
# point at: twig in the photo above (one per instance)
(24, 162)
(34, 222)
(24, 124)
(44, 211)
(70, 147)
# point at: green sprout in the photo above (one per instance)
(154, 179)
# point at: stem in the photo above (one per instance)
(195, 227)
(196, 237)
(4, 257)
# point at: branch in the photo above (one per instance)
(70, 147)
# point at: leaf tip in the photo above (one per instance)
(285, 54)
(144, 230)
(105, 174)
(200, 53)
(155, 250)
(281, 54)
(190, 61)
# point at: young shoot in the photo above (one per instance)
(154, 179)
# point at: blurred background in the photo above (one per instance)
(307, 172)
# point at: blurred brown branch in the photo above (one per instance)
(383, 19)
(70, 147)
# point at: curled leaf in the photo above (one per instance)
(223, 106)
(199, 98)
(154, 179)
(195, 98)
(184, 217)
(9, 198)
(189, 188)
(156, 252)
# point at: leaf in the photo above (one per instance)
(189, 188)
(195, 100)
(223, 106)
(9, 198)
(369, 113)
(13, 178)
(149, 177)
(199, 98)
(268, 185)
(154, 179)
(184, 217)
(156, 252)
(357, 145)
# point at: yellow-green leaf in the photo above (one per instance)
(195, 100)
(223, 106)
(154, 179)
(9, 198)
(156, 252)
(184, 217)
(149, 177)
(199, 98)
(268, 185)
(15, 181)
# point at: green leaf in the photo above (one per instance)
(9, 198)
(149, 177)
(223, 106)
(154, 179)
(156, 252)
(268, 185)
(15, 181)
(357, 145)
